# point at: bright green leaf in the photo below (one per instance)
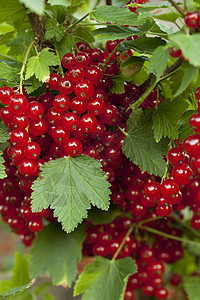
(5, 38)
(116, 15)
(37, 6)
(57, 253)
(139, 144)
(158, 61)
(104, 279)
(12, 12)
(4, 136)
(70, 185)
(2, 167)
(20, 279)
(145, 44)
(39, 65)
(9, 73)
(54, 30)
(65, 45)
(114, 32)
(192, 287)
(169, 17)
(190, 74)
(165, 119)
(189, 45)
(118, 85)
(184, 124)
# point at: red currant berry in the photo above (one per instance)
(78, 106)
(192, 144)
(82, 59)
(195, 122)
(5, 94)
(46, 100)
(28, 167)
(73, 147)
(192, 19)
(18, 104)
(174, 53)
(76, 74)
(161, 293)
(17, 153)
(6, 115)
(19, 137)
(68, 60)
(82, 46)
(32, 150)
(175, 155)
(66, 86)
(88, 123)
(84, 89)
(182, 173)
(152, 189)
(169, 188)
(93, 73)
(54, 116)
(61, 102)
(70, 121)
(20, 121)
(35, 110)
(35, 224)
(96, 56)
(38, 127)
(96, 106)
(60, 135)
(53, 81)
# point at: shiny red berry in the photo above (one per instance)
(18, 104)
(73, 147)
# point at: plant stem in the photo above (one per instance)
(177, 7)
(149, 220)
(193, 231)
(169, 236)
(77, 22)
(123, 242)
(122, 130)
(108, 2)
(111, 54)
(24, 64)
(193, 98)
(60, 65)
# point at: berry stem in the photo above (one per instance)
(122, 130)
(178, 220)
(149, 220)
(177, 7)
(60, 65)
(111, 54)
(77, 22)
(169, 236)
(123, 242)
(24, 64)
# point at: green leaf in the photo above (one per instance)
(9, 73)
(139, 144)
(184, 124)
(5, 38)
(32, 84)
(39, 65)
(192, 287)
(169, 17)
(20, 279)
(65, 45)
(57, 253)
(2, 167)
(36, 6)
(104, 279)
(165, 119)
(84, 34)
(54, 30)
(4, 136)
(190, 74)
(144, 44)
(158, 61)
(12, 12)
(186, 265)
(70, 185)
(189, 45)
(114, 32)
(118, 85)
(97, 216)
(116, 15)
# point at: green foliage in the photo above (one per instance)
(39, 65)
(9, 73)
(101, 274)
(158, 62)
(57, 253)
(116, 15)
(166, 117)
(12, 12)
(65, 45)
(20, 279)
(54, 30)
(140, 146)
(192, 287)
(189, 45)
(5, 38)
(144, 44)
(32, 84)
(118, 84)
(36, 6)
(114, 32)
(184, 124)
(97, 216)
(70, 185)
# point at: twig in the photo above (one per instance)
(123, 242)
(108, 2)
(174, 67)
(177, 7)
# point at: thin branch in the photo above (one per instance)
(177, 7)
(174, 67)
(108, 2)
(23, 66)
